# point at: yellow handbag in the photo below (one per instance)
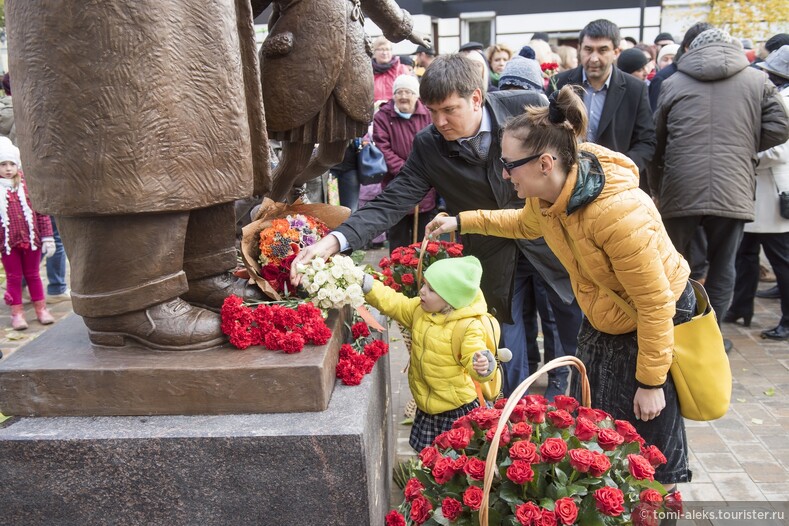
(700, 368)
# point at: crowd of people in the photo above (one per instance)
(611, 172)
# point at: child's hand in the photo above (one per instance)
(481, 363)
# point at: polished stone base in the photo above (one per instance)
(328, 468)
(61, 374)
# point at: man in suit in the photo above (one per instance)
(460, 156)
(619, 114)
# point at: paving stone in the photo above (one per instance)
(775, 491)
(751, 453)
(765, 471)
(719, 462)
(703, 491)
(737, 487)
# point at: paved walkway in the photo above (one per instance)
(744, 456)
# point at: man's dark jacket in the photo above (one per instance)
(626, 121)
(465, 183)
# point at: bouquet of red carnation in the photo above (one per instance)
(358, 358)
(399, 271)
(277, 327)
(557, 464)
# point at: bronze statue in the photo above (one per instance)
(140, 122)
(318, 81)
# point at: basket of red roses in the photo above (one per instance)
(526, 461)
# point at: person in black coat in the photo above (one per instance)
(460, 156)
(619, 114)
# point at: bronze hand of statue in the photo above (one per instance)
(421, 39)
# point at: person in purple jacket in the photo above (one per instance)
(394, 128)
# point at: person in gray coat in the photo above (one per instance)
(713, 116)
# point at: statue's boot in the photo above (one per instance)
(210, 293)
(173, 325)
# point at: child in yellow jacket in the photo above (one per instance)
(440, 382)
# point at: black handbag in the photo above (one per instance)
(370, 164)
(783, 204)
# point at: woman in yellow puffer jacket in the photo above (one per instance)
(440, 382)
(587, 195)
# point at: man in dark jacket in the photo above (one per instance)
(713, 116)
(459, 155)
(619, 115)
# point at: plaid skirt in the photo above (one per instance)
(610, 361)
(427, 427)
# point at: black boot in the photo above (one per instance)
(209, 293)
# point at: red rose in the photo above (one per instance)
(407, 279)
(420, 510)
(475, 468)
(600, 465)
(595, 415)
(464, 422)
(459, 463)
(432, 249)
(524, 450)
(535, 413)
(520, 472)
(644, 515)
(413, 489)
(485, 418)
(674, 502)
(387, 272)
(451, 508)
(553, 450)
(500, 403)
(567, 403)
(653, 454)
(472, 497)
(459, 438)
(640, 468)
(548, 517)
(384, 262)
(429, 456)
(444, 470)
(566, 510)
(534, 399)
(455, 251)
(651, 497)
(504, 439)
(609, 501)
(626, 429)
(609, 439)
(585, 429)
(581, 460)
(521, 430)
(395, 518)
(442, 440)
(602, 415)
(560, 418)
(518, 413)
(529, 514)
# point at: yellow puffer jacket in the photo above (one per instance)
(438, 382)
(620, 236)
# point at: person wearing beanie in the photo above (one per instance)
(715, 103)
(394, 129)
(663, 39)
(666, 56)
(24, 236)
(442, 384)
(407, 62)
(521, 73)
(633, 61)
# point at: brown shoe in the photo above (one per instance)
(170, 326)
(210, 293)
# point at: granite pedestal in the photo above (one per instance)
(61, 374)
(329, 468)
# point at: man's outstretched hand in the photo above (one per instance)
(327, 246)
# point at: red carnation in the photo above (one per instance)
(451, 508)
(375, 349)
(395, 518)
(360, 330)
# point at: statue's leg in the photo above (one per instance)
(329, 154)
(129, 278)
(210, 255)
(295, 157)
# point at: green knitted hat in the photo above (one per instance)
(456, 280)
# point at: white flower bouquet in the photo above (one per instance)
(334, 283)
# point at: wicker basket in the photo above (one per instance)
(491, 469)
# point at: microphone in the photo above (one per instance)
(504, 354)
